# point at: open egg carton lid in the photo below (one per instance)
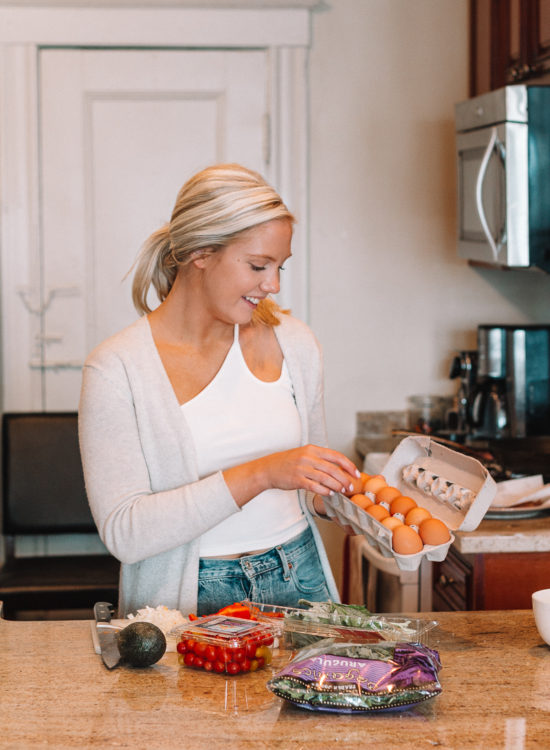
(455, 488)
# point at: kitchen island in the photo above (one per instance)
(55, 692)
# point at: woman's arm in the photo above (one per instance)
(136, 516)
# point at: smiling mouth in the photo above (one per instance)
(252, 300)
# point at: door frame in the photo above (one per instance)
(284, 32)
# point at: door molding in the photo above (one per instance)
(281, 28)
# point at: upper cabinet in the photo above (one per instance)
(104, 113)
(509, 43)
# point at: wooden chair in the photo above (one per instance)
(43, 494)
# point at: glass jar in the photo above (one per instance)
(426, 414)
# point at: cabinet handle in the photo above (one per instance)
(446, 581)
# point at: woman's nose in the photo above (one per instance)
(271, 284)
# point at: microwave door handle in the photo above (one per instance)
(479, 193)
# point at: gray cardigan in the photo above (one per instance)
(140, 467)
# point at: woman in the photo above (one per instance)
(201, 425)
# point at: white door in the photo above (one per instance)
(121, 130)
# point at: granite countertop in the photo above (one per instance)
(55, 692)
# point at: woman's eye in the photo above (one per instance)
(281, 268)
(257, 268)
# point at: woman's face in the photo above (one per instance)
(237, 277)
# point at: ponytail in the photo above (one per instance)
(154, 265)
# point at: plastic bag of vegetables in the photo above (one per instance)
(359, 677)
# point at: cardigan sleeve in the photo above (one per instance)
(136, 519)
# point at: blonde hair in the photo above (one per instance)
(212, 209)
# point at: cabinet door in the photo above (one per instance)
(510, 42)
(120, 132)
(538, 36)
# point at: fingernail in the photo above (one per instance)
(344, 489)
(331, 493)
(357, 473)
(351, 487)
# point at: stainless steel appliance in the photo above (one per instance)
(512, 397)
(503, 171)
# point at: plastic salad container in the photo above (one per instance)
(225, 645)
(299, 627)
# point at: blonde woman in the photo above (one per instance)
(202, 425)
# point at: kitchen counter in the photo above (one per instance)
(521, 535)
(55, 692)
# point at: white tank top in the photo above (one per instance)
(234, 419)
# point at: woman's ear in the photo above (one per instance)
(200, 257)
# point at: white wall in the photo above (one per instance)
(390, 300)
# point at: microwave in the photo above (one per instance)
(503, 175)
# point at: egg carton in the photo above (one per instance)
(455, 488)
(378, 536)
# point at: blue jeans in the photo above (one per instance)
(282, 575)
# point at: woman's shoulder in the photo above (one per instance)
(121, 345)
(295, 332)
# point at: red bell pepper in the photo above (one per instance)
(236, 610)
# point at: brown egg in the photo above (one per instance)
(375, 483)
(405, 541)
(356, 486)
(378, 512)
(391, 522)
(434, 531)
(402, 504)
(387, 494)
(361, 500)
(365, 477)
(416, 515)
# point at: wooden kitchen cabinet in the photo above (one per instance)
(509, 42)
(489, 581)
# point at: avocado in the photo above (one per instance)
(141, 644)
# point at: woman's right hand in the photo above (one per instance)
(311, 467)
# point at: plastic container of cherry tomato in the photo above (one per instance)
(225, 645)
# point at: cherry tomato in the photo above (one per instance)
(199, 662)
(210, 653)
(181, 647)
(267, 640)
(250, 649)
(219, 666)
(263, 652)
(261, 661)
(237, 654)
(245, 665)
(190, 643)
(208, 666)
(233, 667)
(223, 654)
(189, 658)
(200, 647)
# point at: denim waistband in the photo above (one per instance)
(255, 564)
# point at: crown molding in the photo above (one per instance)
(198, 4)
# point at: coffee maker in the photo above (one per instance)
(512, 394)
